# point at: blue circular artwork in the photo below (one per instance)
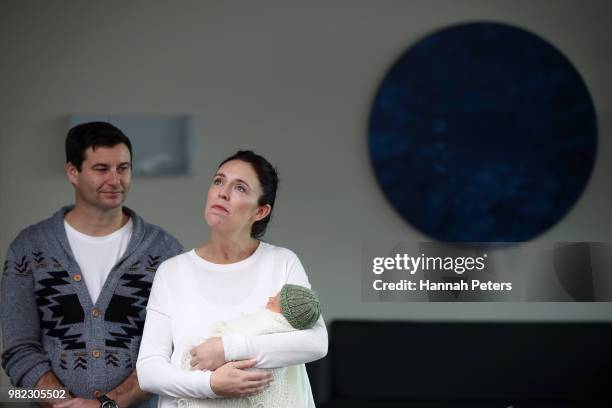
(482, 132)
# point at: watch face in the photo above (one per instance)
(109, 404)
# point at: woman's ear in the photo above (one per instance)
(262, 212)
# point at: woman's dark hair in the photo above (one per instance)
(92, 134)
(268, 179)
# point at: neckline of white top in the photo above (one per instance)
(231, 266)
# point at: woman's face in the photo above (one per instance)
(231, 203)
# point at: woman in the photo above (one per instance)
(224, 278)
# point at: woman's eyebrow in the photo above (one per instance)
(240, 180)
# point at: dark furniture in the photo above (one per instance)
(475, 364)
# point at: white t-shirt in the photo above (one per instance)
(97, 256)
(190, 294)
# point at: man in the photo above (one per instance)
(75, 286)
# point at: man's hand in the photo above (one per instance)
(46, 382)
(230, 380)
(209, 355)
(78, 403)
(128, 393)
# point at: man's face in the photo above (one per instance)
(104, 179)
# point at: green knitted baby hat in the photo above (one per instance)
(300, 306)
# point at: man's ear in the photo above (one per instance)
(72, 173)
(262, 212)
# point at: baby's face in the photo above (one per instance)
(274, 303)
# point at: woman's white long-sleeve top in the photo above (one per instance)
(189, 294)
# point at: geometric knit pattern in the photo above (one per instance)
(58, 313)
(128, 311)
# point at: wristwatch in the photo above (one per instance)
(106, 402)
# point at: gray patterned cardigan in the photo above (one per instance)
(49, 321)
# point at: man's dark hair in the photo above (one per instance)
(268, 179)
(92, 134)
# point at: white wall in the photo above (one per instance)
(292, 80)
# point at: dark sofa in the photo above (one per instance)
(476, 364)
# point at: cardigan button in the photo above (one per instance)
(77, 278)
(97, 394)
(95, 312)
(96, 353)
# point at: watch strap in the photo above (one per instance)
(104, 399)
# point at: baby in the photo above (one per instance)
(293, 308)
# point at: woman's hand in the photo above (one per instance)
(230, 380)
(209, 355)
